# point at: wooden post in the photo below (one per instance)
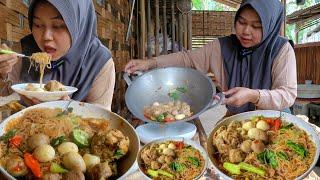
(283, 25)
(157, 27)
(185, 30)
(149, 30)
(173, 29)
(143, 28)
(189, 30)
(180, 32)
(164, 32)
(139, 55)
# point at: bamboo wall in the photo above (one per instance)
(112, 15)
(212, 23)
(308, 62)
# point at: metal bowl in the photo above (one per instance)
(268, 113)
(154, 86)
(126, 164)
(186, 141)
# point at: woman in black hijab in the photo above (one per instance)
(255, 67)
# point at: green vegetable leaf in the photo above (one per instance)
(271, 158)
(57, 141)
(174, 95)
(182, 89)
(118, 154)
(268, 157)
(7, 136)
(56, 168)
(194, 161)
(178, 167)
(297, 148)
(287, 126)
(160, 117)
(282, 155)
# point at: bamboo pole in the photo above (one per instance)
(173, 29)
(185, 30)
(165, 36)
(143, 28)
(189, 30)
(138, 31)
(157, 28)
(149, 30)
(180, 25)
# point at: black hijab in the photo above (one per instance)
(86, 56)
(251, 67)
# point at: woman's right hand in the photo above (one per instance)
(7, 61)
(139, 65)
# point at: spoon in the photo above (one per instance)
(5, 51)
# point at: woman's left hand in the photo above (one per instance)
(239, 96)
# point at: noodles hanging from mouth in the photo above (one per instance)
(41, 60)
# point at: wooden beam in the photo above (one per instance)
(283, 25)
(173, 29)
(149, 30)
(185, 30)
(157, 27)
(189, 30)
(165, 36)
(180, 25)
(143, 28)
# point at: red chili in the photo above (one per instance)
(168, 119)
(15, 141)
(179, 145)
(33, 164)
(277, 124)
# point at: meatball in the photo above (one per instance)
(37, 140)
(16, 166)
(246, 146)
(110, 144)
(73, 175)
(54, 85)
(51, 176)
(99, 171)
(236, 156)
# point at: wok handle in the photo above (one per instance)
(219, 102)
(127, 78)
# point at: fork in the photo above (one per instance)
(5, 51)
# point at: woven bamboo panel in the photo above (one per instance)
(212, 23)
(308, 62)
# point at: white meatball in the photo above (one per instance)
(168, 152)
(44, 153)
(248, 125)
(172, 146)
(179, 116)
(67, 147)
(91, 160)
(257, 134)
(262, 125)
(73, 161)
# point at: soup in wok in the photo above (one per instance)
(54, 144)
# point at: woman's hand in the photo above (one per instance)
(34, 101)
(7, 61)
(139, 65)
(239, 96)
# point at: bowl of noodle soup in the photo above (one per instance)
(40, 93)
(172, 158)
(48, 119)
(263, 145)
